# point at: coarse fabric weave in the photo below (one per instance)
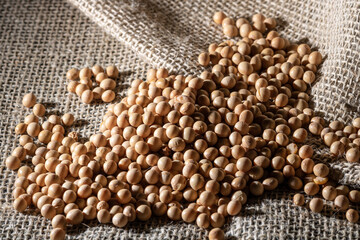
(41, 40)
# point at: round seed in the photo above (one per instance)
(29, 100)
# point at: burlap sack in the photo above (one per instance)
(172, 33)
(40, 40)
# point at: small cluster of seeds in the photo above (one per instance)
(44, 142)
(86, 88)
(340, 138)
(189, 148)
(242, 27)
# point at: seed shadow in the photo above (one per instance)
(82, 139)
(282, 24)
(121, 88)
(303, 40)
(124, 74)
(136, 227)
(74, 230)
(49, 105)
(352, 108)
(53, 112)
(80, 122)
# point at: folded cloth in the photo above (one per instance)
(41, 40)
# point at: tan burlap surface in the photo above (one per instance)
(40, 40)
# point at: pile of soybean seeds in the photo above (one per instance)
(190, 148)
(86, 88)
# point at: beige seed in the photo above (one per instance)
(341, 202)
(277, 43)
(67, 119)
(112, 72)
(352, 215)
(356, 123)
(80, 88)
(299, 199)
(29, 100)
(270, 23)
(97, 92)
(204, 59)
(87, 96)
(316, 205)
(329, 193)
(315, 58)
(216, 234)
(354, 196)
(353, 155)
(245, 68)
(337, 148)
(311, 188)
(245, 29)
(20, 204)
(71, 87)
(96, 69)
(321, 170)
(120, 220)
(174, 213)
(74, 216)
(203, 220)
(309, 77)
(57, 234)
(85, 73)
(219, 17)
(234, 207)
(12, 162)
(59, 221)
(107, 84)
(230, 30)
(143, 212)
(108, 96)
(33, 129)
(20, 128)
(39, 110)
(103, 216)
(189, 215)
(72, 74)
(48, 211)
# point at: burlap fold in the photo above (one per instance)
(40, 40)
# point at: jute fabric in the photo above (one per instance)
(41, 40)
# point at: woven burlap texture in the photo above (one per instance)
(40, 40)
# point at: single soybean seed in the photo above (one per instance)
(39, 110)
(108, 96)
(57, 234)
(216, 234)
(299, 199)
(112, 72)
(72, 74)
(352, 215)
(29, 100)
(219, 17)
(316, 205)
